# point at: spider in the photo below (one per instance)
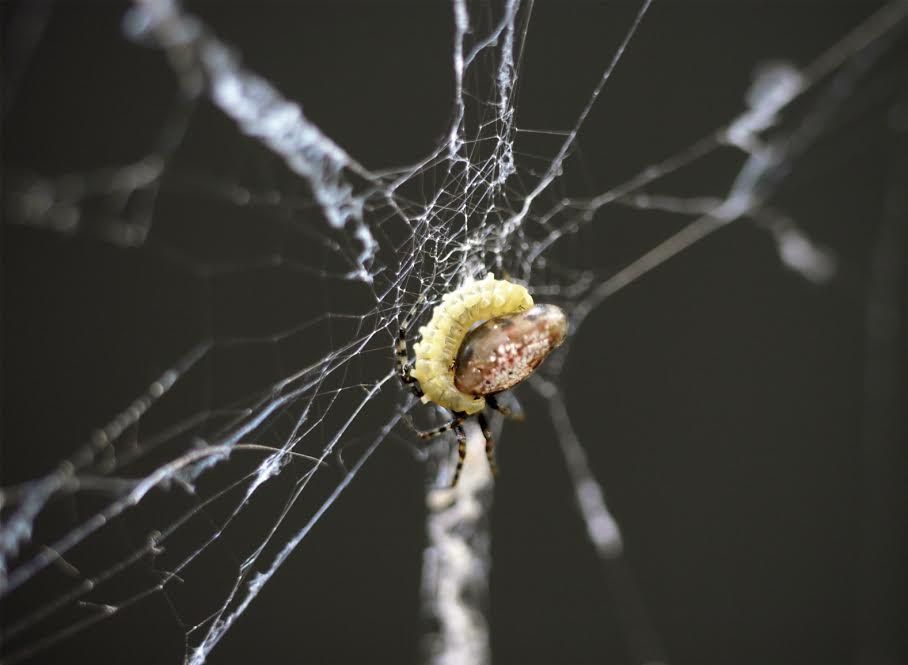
(484, 338)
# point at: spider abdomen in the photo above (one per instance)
(505, 350)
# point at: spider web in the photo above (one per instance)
(267, 398)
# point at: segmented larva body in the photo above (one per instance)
(474, 302)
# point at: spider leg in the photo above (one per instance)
(425, 435)
(404, 366)
(513, 412)
(456, 424)
(409, 381)
(461, 452)
(490, 442)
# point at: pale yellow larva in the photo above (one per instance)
(473, 302)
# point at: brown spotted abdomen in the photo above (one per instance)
(505, 350)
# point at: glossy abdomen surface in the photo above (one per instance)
(505, 350)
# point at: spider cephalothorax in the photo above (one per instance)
(484, 338)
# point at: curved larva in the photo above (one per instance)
(474, 302)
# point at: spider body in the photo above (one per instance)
(504, 351)
(474, 302)
(484, 337)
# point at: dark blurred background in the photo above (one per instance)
(722, 399)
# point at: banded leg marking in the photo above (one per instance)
(490, 442)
